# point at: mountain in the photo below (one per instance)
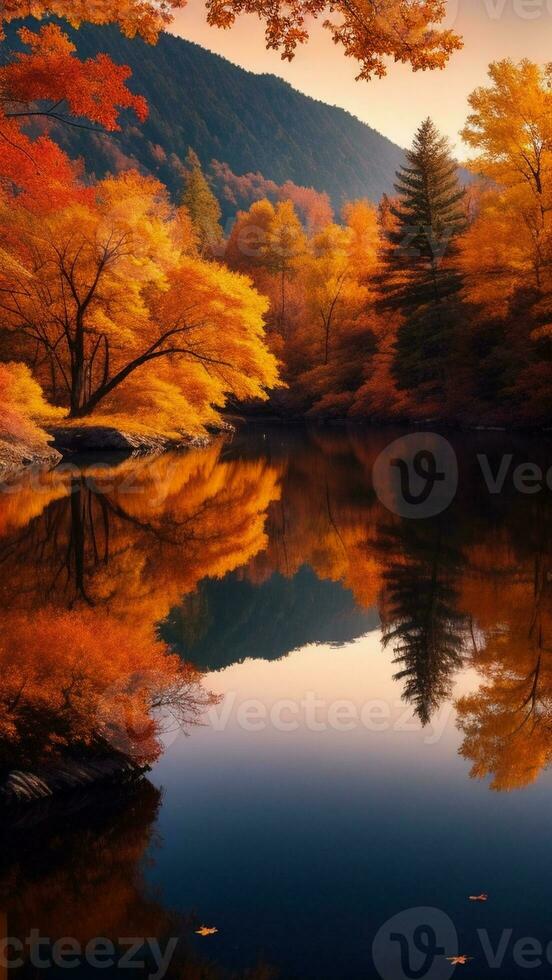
(231, 620)
(251, 122)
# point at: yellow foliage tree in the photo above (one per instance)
(509, 245)
(23, 408)
(125, 316)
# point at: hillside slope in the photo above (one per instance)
(252, 122)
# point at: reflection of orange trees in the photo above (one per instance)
(26, 499)
(132, 540)
(507, 723)
(97, 570)
(324, 518)
(68, 681)
(119, 547)
(86, 877)
(85, 880)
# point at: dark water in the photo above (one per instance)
(383, 734)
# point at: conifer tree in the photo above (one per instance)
(202, 206)
(421, 280)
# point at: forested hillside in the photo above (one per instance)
(251, 122)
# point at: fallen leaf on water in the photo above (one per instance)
(479, 898)
(206, 931)
(459, 960)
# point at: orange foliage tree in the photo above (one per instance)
(368, 32)
(49, 81)
(320, 283)
(144, 17)
(111, 288)
(65, 685)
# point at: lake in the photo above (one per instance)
(365, 739)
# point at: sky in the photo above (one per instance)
(395, 105)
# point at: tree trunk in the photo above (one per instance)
(78, 371)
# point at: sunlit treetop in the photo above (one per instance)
(510, 124)
(51, 73)
(370, 32)
(143, 17)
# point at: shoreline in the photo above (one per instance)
(24, 786)
(17, 458)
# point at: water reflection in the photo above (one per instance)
(91, 559)
(255, 548)
(81, 873)
(262, 560)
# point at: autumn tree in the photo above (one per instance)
(505, 255)
(247, 242)
(321, 288)
(64, 685)
(510, 128)
(284, 246)
(335, 333)
(420, 280)
(144, 17)
(202, 206)
(49, 82)
(109, 291)
(368, 32)
(269, 243)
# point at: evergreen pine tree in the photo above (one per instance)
(421, 281)
(202, 205)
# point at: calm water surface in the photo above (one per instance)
(384, 728)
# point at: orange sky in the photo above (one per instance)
(491, 29)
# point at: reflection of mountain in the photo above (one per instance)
(231, 620)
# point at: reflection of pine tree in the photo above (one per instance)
(420, 618)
